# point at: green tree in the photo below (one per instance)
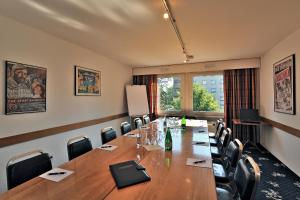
(203, 100)
(169, 99)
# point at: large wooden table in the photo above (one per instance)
(170, 177)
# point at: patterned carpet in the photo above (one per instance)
(277, 181)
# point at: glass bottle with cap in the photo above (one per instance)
(168, 140)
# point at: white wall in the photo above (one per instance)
(284, 146)
(24, 44)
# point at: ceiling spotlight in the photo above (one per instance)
(166, 16)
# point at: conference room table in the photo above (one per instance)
(171, 178)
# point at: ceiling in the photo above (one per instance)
(133, 32)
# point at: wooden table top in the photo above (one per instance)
(170, 177)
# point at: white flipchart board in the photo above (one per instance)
(137, 100)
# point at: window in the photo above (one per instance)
(206, 97)
(169, 93)
(204, 82)
(213, 90)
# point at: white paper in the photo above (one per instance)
(201, 143)
(56, 178)
(132, 135)
(196, 123)
(200, 138)
(108, 147)
(152, 147)
(206, 164)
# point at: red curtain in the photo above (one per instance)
(151, 84)
(239, 92)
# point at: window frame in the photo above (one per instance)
(186, 91)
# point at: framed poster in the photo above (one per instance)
(87, 82)
(284, 85)
(25, 90)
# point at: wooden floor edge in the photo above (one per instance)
(24, 137)
(288, 129)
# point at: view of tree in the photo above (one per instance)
(203, 100)
(169, 99)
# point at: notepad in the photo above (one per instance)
(108, 147)
(58, 177)
(128, 173)
(202, 143)
(152, 147)
(206, 164)
(132, 135)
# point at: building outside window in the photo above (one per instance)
(207, 97)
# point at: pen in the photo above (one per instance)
(200, 142)
(56, 173)
(198, 161)
(108, 146)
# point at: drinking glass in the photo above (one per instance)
(139, 139)
(145, 135)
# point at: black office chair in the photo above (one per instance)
(220, 130)
(24, 167)
(78, 146)
(213, 134)
(138, 123)
(146, 119)
(232, 155)
(125, 128)
(246, 180)
(108, 134)
(218, 152)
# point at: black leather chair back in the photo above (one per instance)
(78, 147)
(219, 121)
(108, 134)
(246, 178)
(138, 123)
(24, 170)
(220, 130)
(233, 153)
(125, 128)
(146, 119)
(225, 139)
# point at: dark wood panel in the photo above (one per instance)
(15, 139)
(288, 129)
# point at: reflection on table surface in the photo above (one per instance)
(170, 177)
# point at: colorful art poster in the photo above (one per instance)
(87, 82)
(25, 88)
(284, 85)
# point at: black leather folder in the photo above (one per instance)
(128, 173)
